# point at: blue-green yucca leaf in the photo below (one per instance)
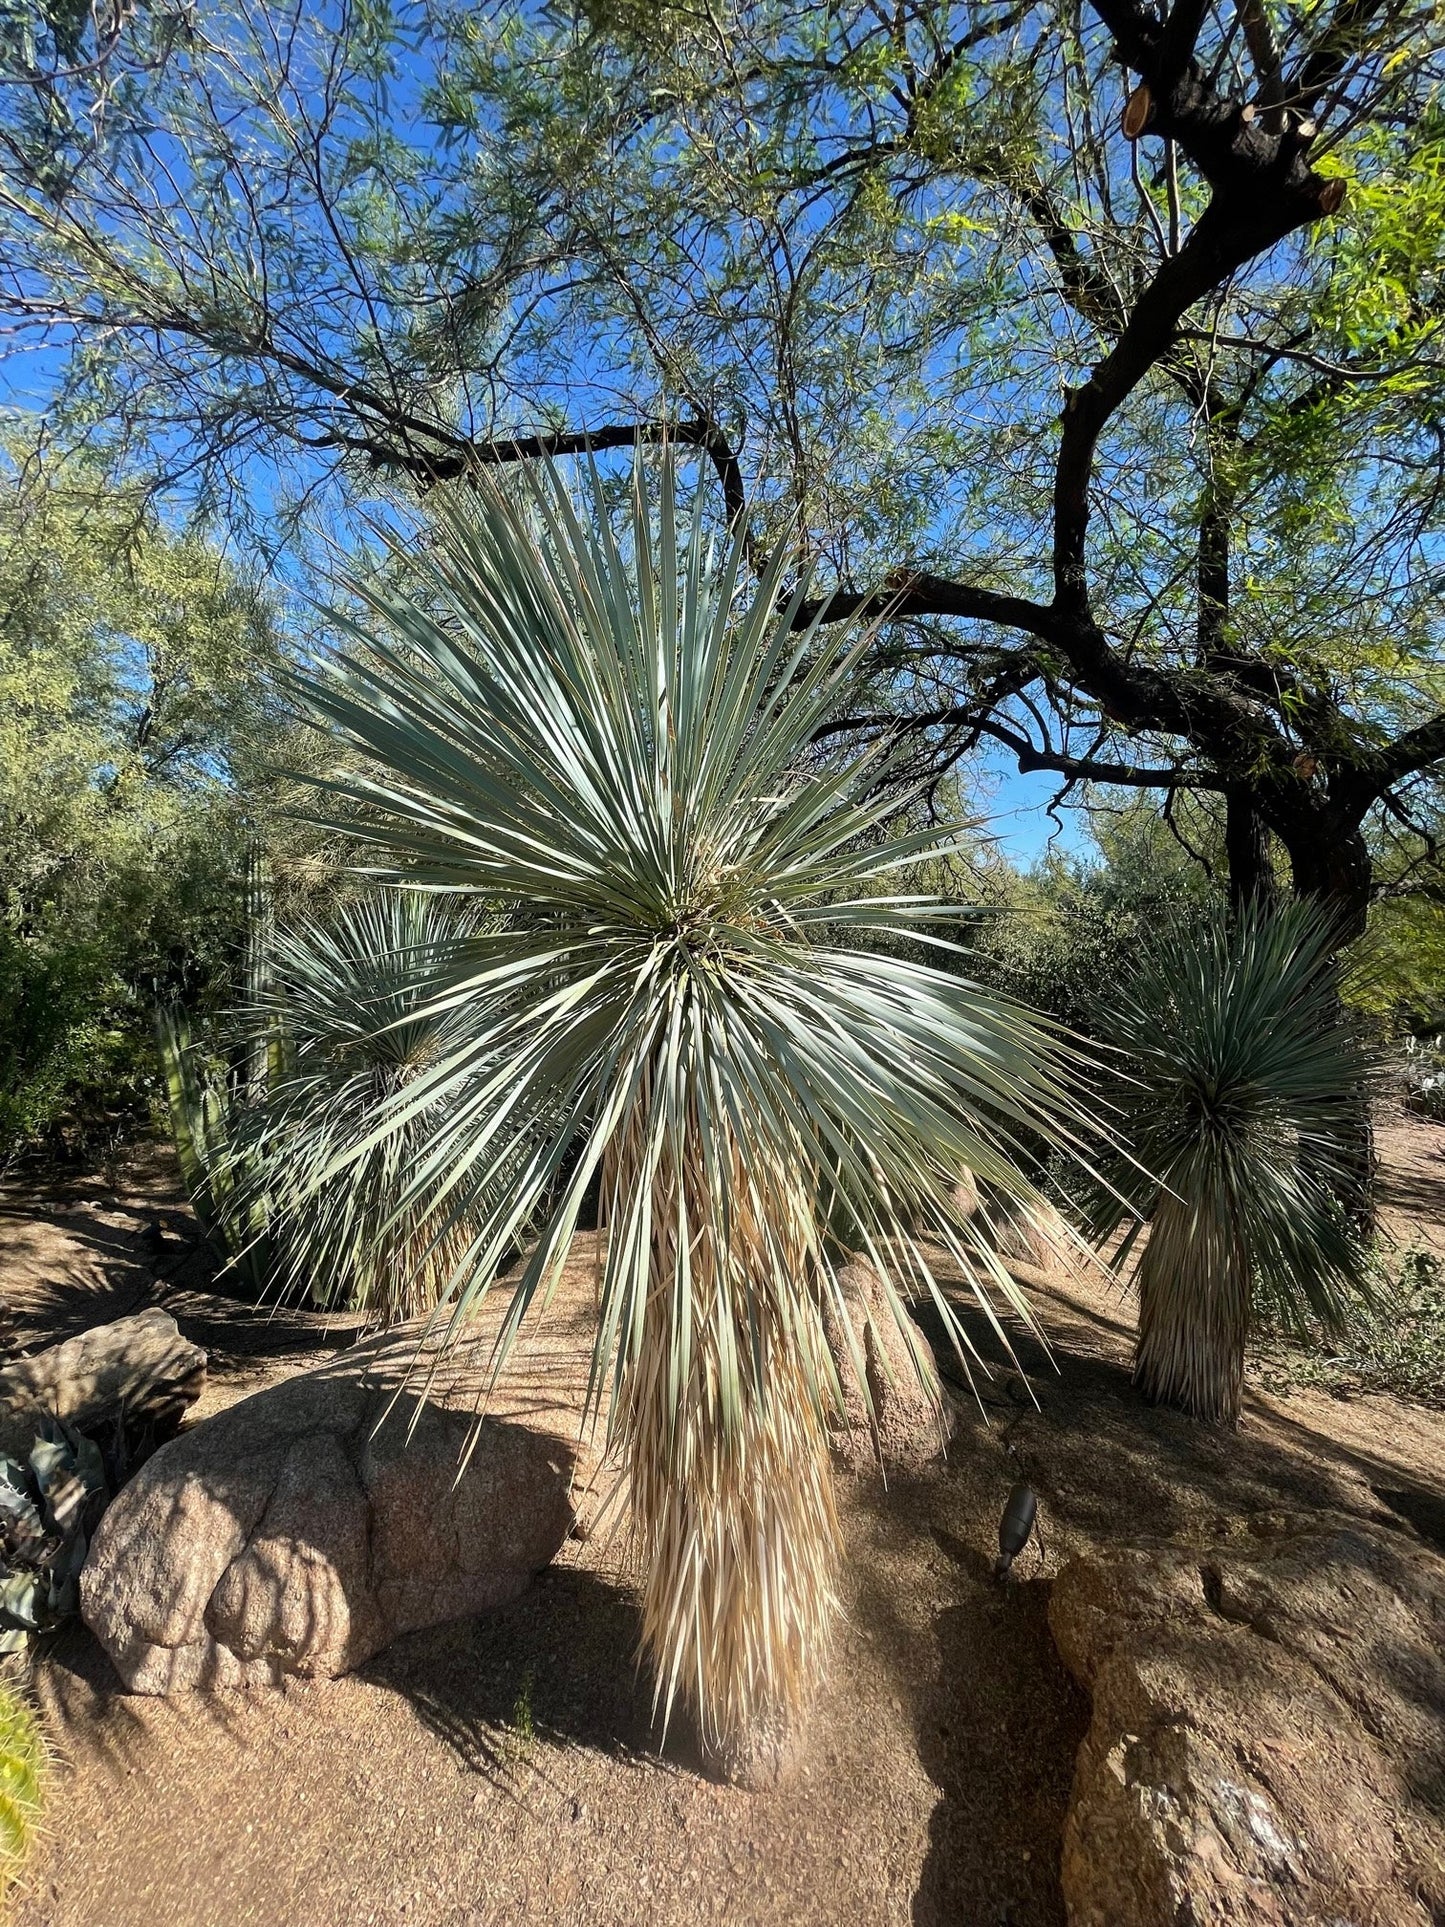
(350, 1000)
(618, 753)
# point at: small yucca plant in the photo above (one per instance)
(1241, 1079)
(605, 741)
(347, 998)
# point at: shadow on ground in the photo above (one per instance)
(88, 1709)
(1000, 1729)
(558, 1664)
(1410, 1182)
(1002, 1756)
(83, 1255)
(1108, 1467)
(943, 1669)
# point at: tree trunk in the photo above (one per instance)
(1246, 848)
(1331, 862)
(1356, 1189)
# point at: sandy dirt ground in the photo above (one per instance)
(506, 1769)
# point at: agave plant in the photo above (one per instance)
(1242, 1080)
(691, 1002)
(348, 996)
(49, 1508)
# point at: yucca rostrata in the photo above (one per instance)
(1239, 1087)
(350, 1005)
(615, 749)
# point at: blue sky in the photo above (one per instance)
(1017, 816)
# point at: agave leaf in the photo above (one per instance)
(20, 1522)
(62, 1599)
(52, 1463)
(68, 1472)
(24, 1601)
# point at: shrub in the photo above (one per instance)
(74, 1072)
(1424, 1078)
(1392, 1341)
(1059, 935)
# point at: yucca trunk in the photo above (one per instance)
(731, 1486)
(1195, 1296)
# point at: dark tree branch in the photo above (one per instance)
(1337, 371)
(975, 719)
(461, 458)
(394, 437)
(914, 592)
(1337, 43)
(1225, 239)
(1091, 769)
(1417, 749)
(1264, 53)
(1088, 290)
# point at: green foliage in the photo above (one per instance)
(72, 1071)
(1400, 981)
(1424, 1078)
(133, 723)
(48, 1509)
(872, 247)
(1393, 1341)
(1071, 927)
(277, 1136)
(222, 1171)
(1237, 1091)
(522, 1732)
(24, 1763)
(1393, 242)
(610, 744)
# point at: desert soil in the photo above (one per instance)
(507, 1768)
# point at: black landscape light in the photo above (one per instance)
(1014, 1527)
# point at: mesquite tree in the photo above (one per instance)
(1097, 344)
